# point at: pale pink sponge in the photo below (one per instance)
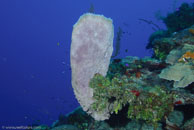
(91, 50)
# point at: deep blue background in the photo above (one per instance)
(35, 37)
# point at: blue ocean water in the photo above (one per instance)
(35, 38)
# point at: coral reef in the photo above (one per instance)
(182, 18)
(180, 26)
(178, 55)
(176, 117)
(147, 101)
(181, 70)
(181, 74)
(131, 93)
(162, 46)
(189, 125)
(156, 35)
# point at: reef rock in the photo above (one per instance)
(182, 74)
(181, 66)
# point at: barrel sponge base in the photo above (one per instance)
(91, 50)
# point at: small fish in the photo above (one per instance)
(58, 44)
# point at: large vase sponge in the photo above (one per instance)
(91, 50)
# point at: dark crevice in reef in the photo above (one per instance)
(112, 99)
(187, 110)
(120, 119)
(190, 88)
